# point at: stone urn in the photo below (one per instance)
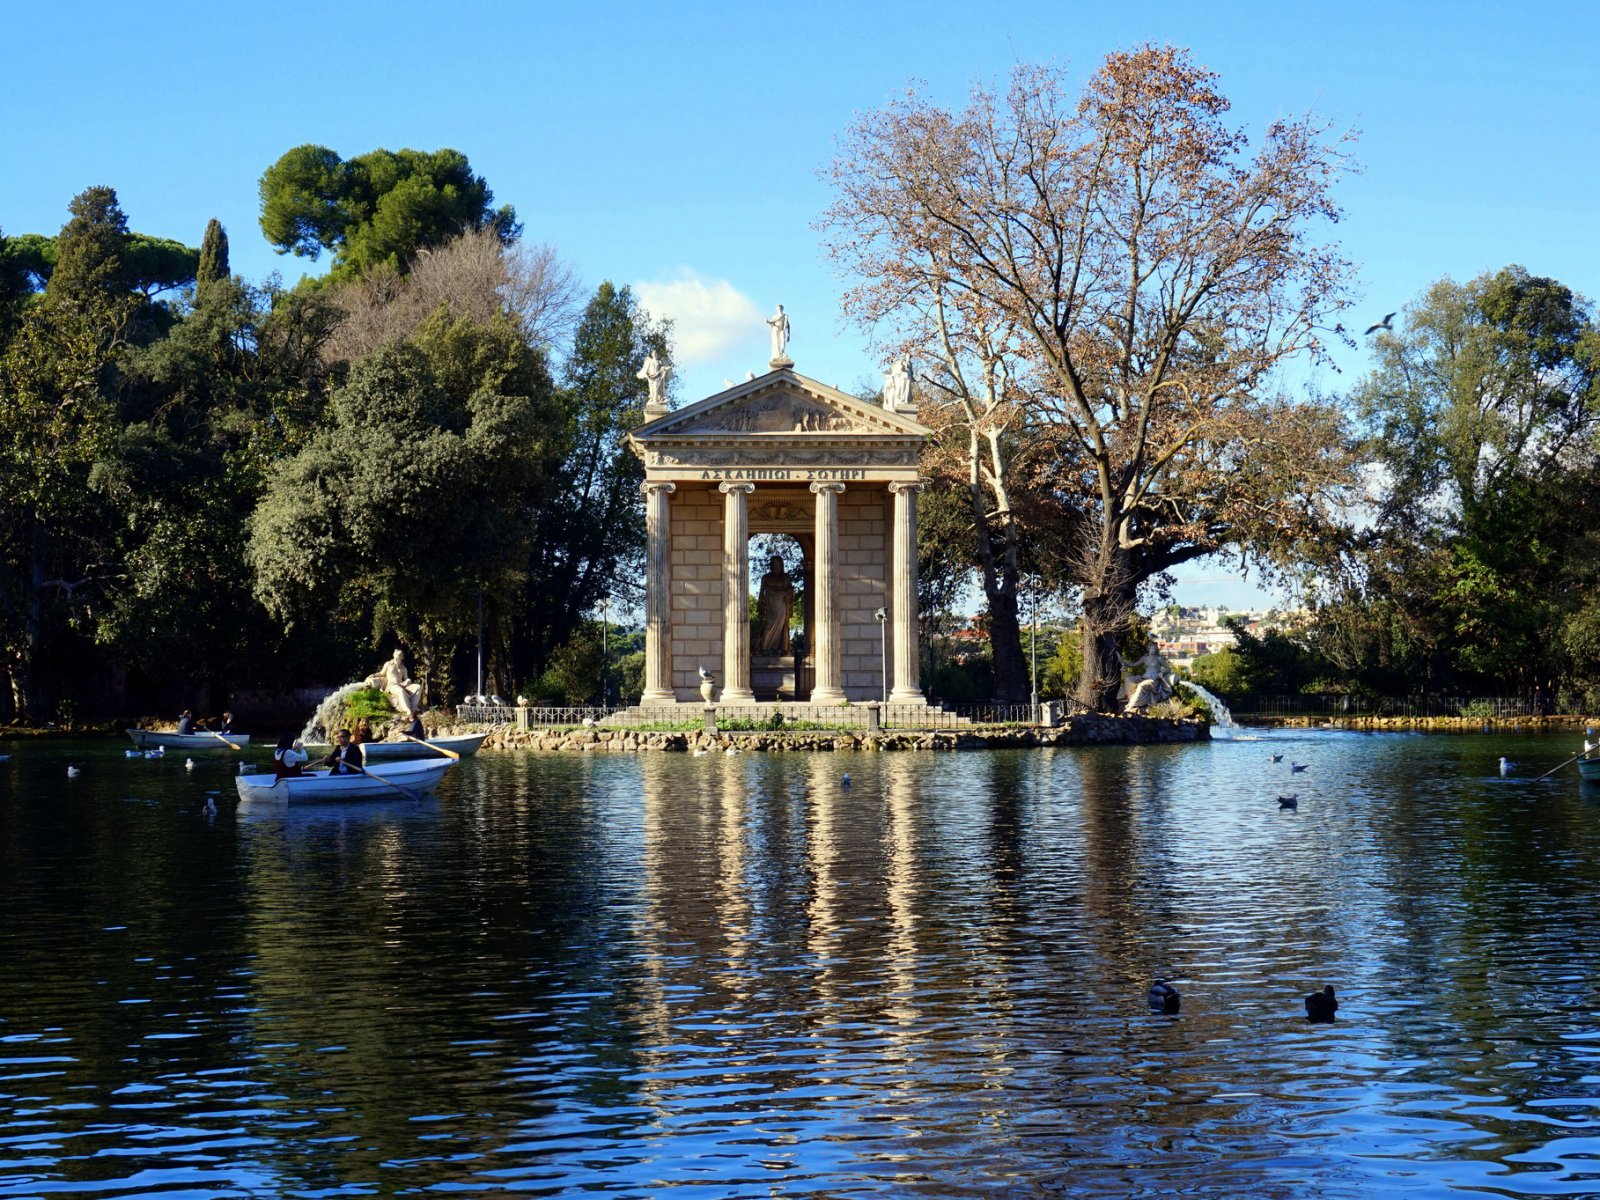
(707, 686)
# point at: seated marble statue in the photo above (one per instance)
(773, 608)
(395, 680)
(1153, 684)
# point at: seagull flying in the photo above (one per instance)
(1383, 324)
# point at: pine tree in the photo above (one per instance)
(90, 252)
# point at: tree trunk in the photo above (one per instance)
(1105, 621)
(1005, 641)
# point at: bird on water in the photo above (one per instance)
(1289, 801)
(1320, 1006)
(1163, 997)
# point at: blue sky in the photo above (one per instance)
(676, 148)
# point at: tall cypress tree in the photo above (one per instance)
(213, 259)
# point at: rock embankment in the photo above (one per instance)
(1432, 724)
(1075, 731)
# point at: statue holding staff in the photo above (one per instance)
(780, 335)
(774, 606)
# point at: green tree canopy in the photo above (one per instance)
(377, 208)
(417, 493)
(1483, 415)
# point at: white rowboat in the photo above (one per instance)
(394, 782)
(150, 739)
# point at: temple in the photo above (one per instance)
(782, 454)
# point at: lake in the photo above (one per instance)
(744, 976)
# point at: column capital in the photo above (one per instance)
(728, 488)
(907, 485)
(650, 485)
(819, 488)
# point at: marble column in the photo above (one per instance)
(736, 593)
(828, 687)
(658, 593)
(903, 601)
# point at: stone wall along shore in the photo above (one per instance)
(1075, 731)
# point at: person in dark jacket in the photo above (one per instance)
(226, 724)
(186, 721)
(346, 758)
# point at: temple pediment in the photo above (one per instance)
(782, 404)
(781, 427)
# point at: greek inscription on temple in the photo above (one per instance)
(780, 474)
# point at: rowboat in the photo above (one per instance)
(1589, 765)
(152, 739)
(412, 776)
(462, 744)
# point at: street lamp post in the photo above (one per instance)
(1035, 650)
(605, 651)
(882, 617)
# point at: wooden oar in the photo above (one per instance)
(1558, 766)
(223, 740)
(402, 789)
(431, 746)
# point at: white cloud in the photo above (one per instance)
(709, 317)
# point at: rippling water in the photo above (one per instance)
(738, 976)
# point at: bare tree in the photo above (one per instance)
(474, 275)
(1115, 280)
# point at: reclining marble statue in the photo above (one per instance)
(395, 680)
(1153, 684)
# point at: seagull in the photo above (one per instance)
(133, 754)
(211, 805)
(188, 764)
(74, 772)
(588, 721)
(497, 702)
(1383, 324)
(1296, 768)
(705, 675)
(1320, 1006)
(700, 752)
(731, 750)
(1277, 758)
(1505, 765)
(522, 702)
(846, 780)
(1289, 801)
(1163, 997)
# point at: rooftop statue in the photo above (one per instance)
(780, 337)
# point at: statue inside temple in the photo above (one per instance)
(774, 607)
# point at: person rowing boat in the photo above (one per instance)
(346, 758)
